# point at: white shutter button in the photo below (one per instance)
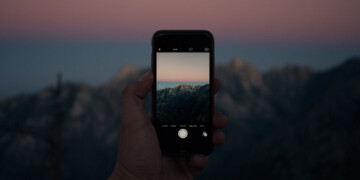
(182, 133)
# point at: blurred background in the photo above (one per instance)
(290, 73)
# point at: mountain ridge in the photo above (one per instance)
(287, 122)
(173, 104)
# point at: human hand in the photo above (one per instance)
(139, 154)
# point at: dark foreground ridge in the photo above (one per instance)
(287, 123)
(187, 104)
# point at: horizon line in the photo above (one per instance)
(182, 81)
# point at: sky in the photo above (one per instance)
(89, 40)
(183, 67)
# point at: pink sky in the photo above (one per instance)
(264, 20)
(181, 67)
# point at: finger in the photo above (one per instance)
(148, 116)
(220, 120)
(140, 88)
(197, 163)
(133, 96)
(218, 138)
(217, 85)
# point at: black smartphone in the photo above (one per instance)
(182, 94)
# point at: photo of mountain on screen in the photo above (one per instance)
(182, 89)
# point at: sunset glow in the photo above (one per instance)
(182, 67)
(230, 20)
(90, 40)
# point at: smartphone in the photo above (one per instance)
(182, 94)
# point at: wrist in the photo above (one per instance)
(121, 172)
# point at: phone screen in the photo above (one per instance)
(182, 99)
(182, 90)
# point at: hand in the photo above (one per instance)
(139, 155)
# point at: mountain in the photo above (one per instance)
(183, 103)
(90, 129)
(308, 131)
(287, 123)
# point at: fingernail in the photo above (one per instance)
(145, 76)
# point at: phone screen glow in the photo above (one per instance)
(182, 89)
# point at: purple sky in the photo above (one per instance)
(326, 21)
(89, 41)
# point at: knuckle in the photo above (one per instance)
(225, 119)
(127, 91)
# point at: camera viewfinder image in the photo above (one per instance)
(182, 89)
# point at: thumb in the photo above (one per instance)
(133, 99)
